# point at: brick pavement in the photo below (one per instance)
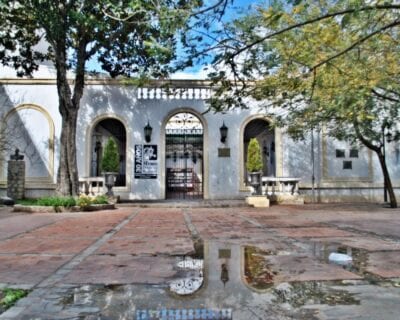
(139, 245)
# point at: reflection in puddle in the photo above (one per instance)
(298, 294)
(192, 278)
(257, 272)
(223, 276)
(340, 258)
(351, 259)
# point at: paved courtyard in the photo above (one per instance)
(140, 263)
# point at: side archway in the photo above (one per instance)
(258, 126)
(102, 128)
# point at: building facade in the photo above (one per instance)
(171, 148)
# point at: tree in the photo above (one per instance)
(254, 159)
(131, 38)
(318, 63)
(110, 160)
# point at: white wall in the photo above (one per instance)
(221, 174)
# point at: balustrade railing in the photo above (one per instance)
(174, 93)
(93, 186)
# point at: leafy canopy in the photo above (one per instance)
(340, 70)
(126, 37)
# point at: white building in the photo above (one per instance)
(188, 158)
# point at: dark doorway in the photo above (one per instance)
(104, 129)
(184, 157)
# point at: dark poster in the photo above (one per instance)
(146, 161)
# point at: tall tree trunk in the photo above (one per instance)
(67, 177)
(381, 157)
(387, 180)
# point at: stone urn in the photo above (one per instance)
(109, 181)
(255, 182)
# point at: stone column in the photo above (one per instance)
(16, 176)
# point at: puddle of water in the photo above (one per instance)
(257, 271)
(298, 294)
(191, 276)
(357, 264)
(220, 276)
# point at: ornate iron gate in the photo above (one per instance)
(184, 157)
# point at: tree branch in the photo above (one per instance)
(359, 135)
(385, 97)
(304, 23)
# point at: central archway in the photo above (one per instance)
(184, 156)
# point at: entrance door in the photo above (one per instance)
(184, 157)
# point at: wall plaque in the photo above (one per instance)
(224, 152)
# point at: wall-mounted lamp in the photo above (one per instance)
(265, 149)
(97, 147)
(389, 137)
(224, 132)
(224, 273)
(147, 132)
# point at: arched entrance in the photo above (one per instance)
(102, 131)
(260, 129)
(184, 157)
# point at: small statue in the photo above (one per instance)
(16, 155)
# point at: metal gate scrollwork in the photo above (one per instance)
(184, 157)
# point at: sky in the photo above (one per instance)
(199, 71)
(234, 10)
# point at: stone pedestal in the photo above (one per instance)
(16, 179)
(258, 201)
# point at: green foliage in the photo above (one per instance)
(56, 202)
(10, 296)
(110, 159)
(85, 201)
(318, 64)
(254, 161)
(130, 38)
(27, 202)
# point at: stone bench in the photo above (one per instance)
(283, 190)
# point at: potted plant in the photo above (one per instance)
(110, 164)
(254, 164)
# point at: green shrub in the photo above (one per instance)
(254, 161)
(100, 200)
(27, 202)
(56, 202)
(85, 201)
(8, 297)
(110, 160)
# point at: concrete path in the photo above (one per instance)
(257, 263)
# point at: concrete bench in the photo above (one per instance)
(284, 190)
